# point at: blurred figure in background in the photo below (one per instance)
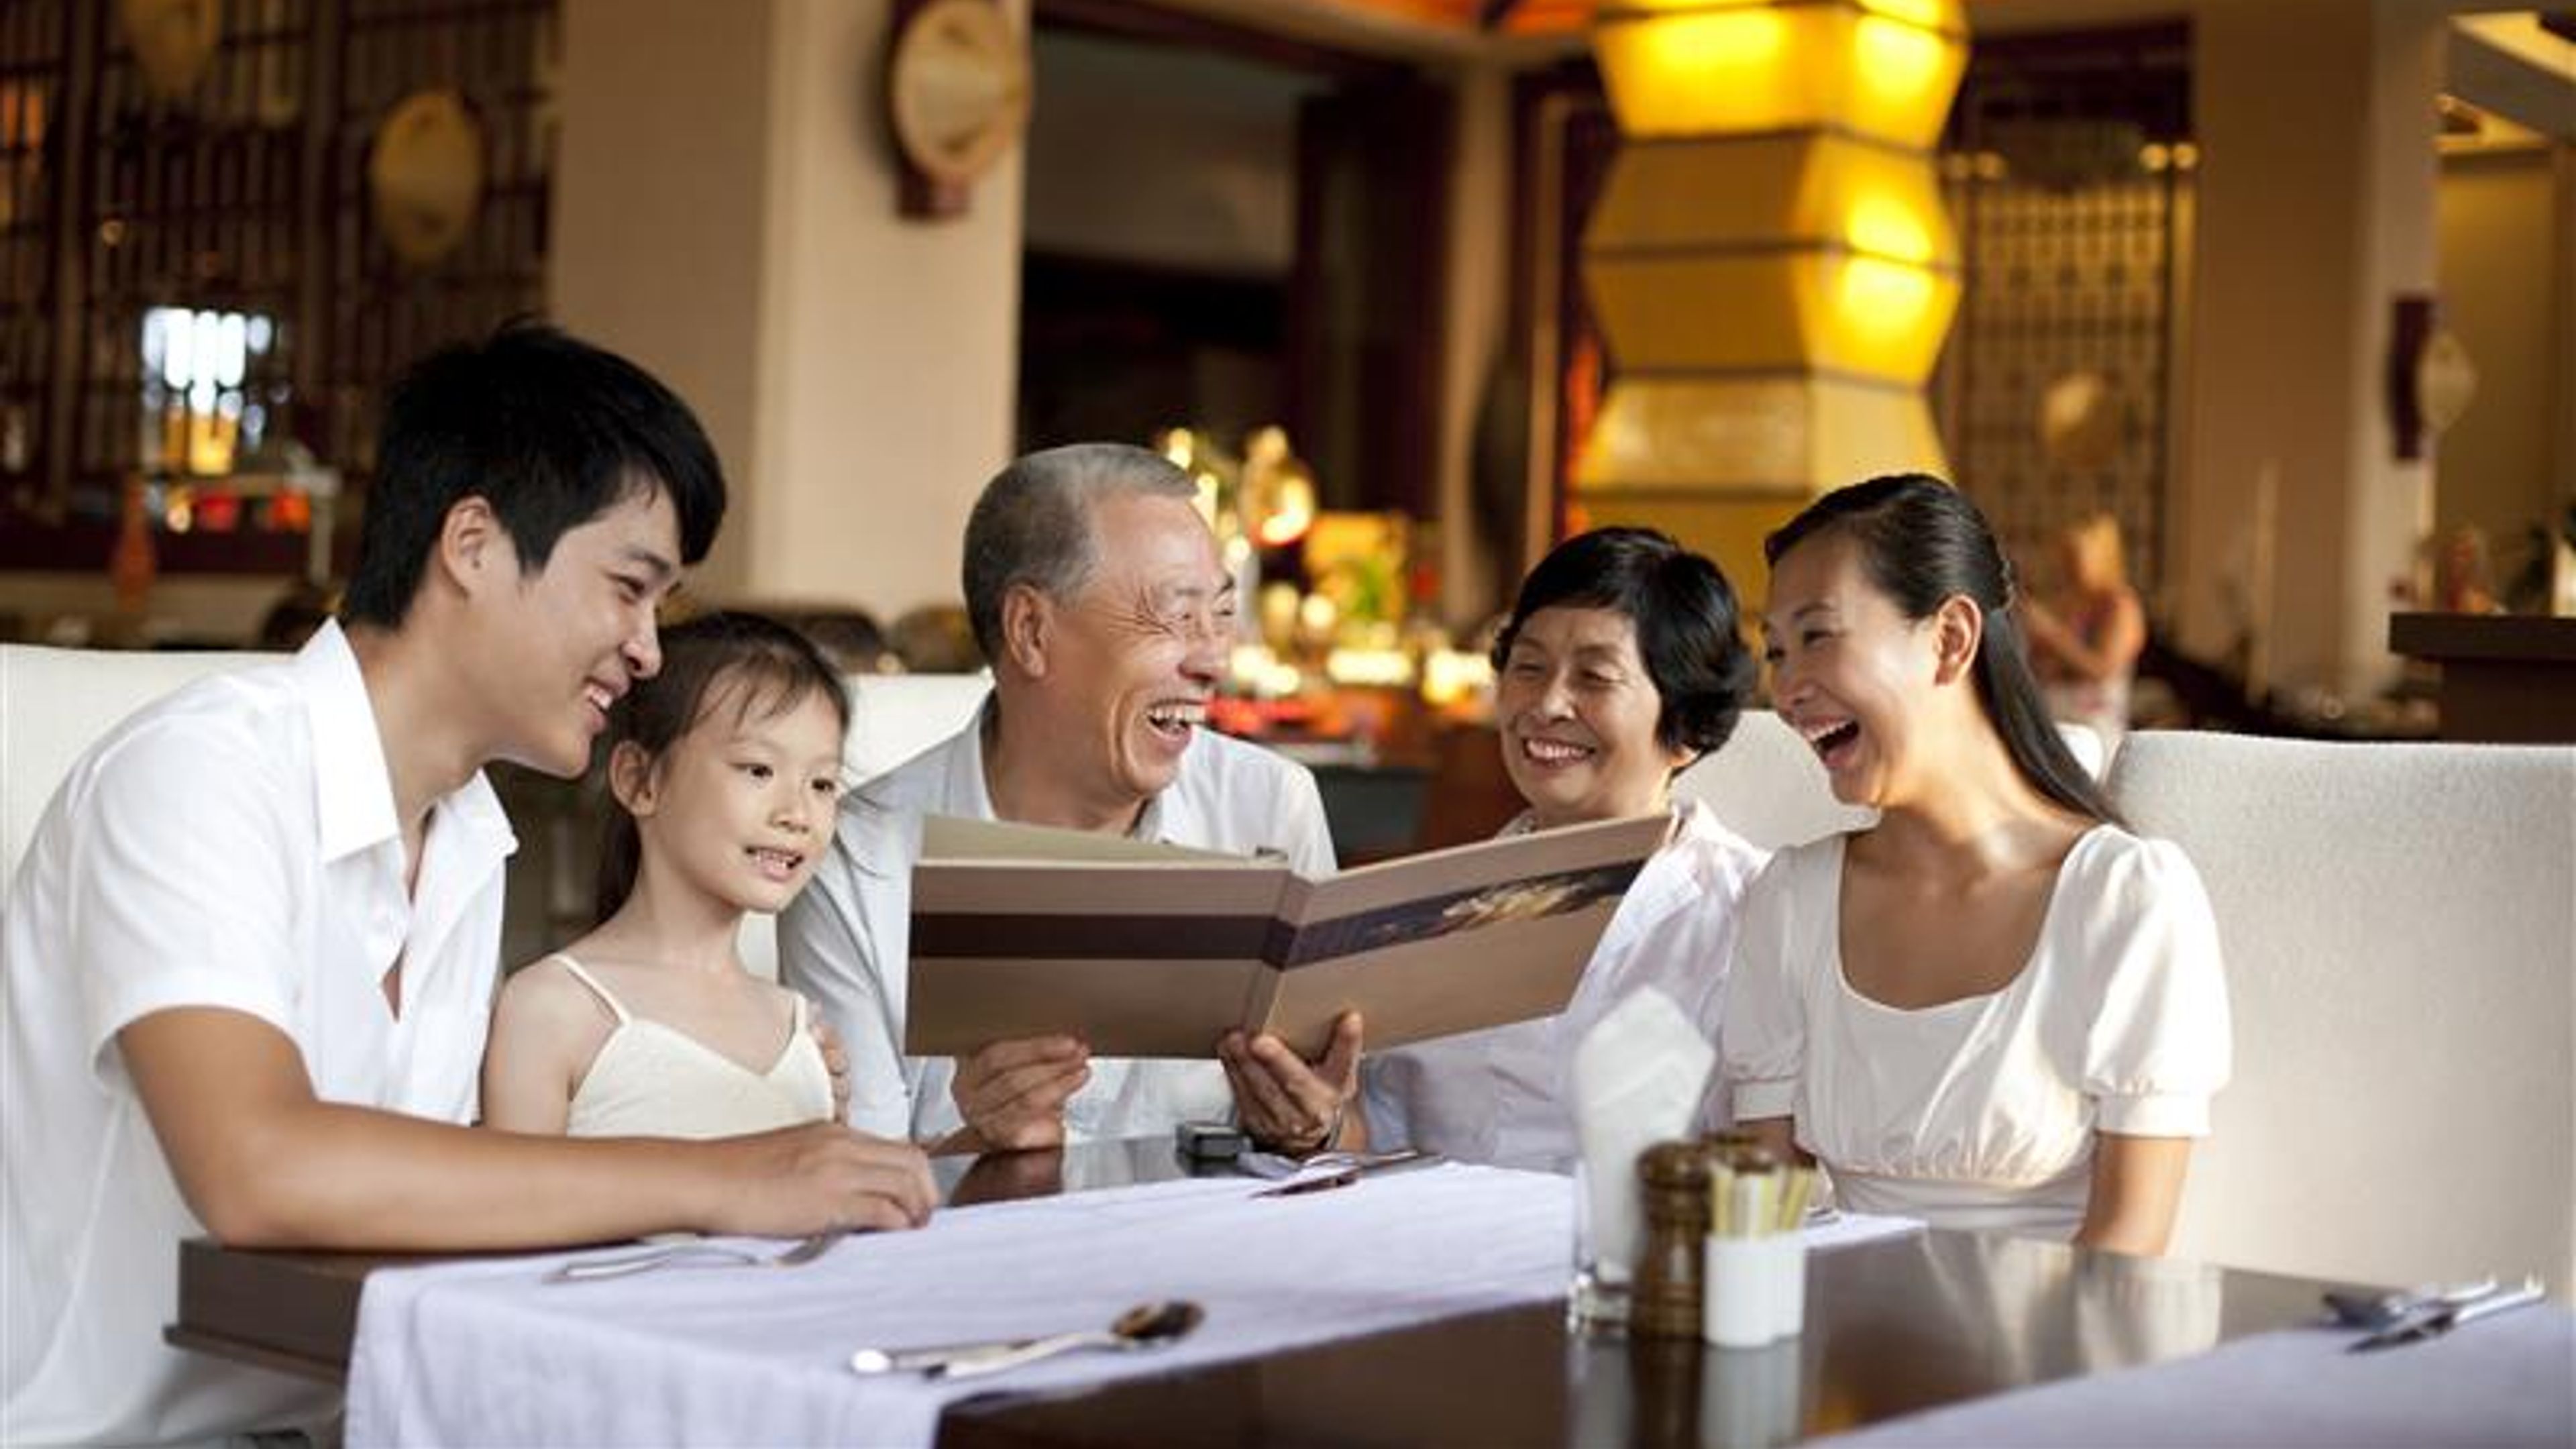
(2464, 573)
(2085, 643)
(295, 616)
(849, 638)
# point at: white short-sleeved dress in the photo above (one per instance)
(1981, 1113)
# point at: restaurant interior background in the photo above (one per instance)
(2220, 268)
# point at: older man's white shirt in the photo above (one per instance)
(234, 846)
(846, 941)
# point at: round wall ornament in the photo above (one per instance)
(425, 175)
(957, 88)
(171, 40)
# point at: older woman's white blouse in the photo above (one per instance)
(1500, 1096)
(1981, 1113)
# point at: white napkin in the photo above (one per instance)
(1638, 1076)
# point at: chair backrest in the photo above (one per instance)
(2399, 925)
(1767, 785)
(54, 703)
(896, 716)
(892, 718)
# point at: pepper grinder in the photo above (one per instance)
(1665, 1301)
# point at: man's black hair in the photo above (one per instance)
(550, 431)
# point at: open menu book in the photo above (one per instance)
(1148, 950)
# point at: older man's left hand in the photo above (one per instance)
(1289, 1104)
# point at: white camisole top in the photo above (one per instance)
(652, 1080)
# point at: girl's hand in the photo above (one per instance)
(835, 1060)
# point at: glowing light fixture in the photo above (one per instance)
(1696, 67)
(1770, 260)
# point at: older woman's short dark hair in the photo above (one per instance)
(1685, 616)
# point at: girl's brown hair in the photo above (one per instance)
(762, 666)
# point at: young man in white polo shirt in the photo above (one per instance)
(250, 956)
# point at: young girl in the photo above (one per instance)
(726, 767)
(1995, 1008)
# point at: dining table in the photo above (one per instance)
(1422, 1306)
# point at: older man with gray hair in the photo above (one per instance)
(1097, 593)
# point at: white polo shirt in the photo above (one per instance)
(234, 845)
(846, 940)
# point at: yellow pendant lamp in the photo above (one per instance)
(1770, 261)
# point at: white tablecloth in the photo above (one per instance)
(487, 1353)
(2507, 1381)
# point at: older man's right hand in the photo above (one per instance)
(820, 1177)
(1012, 1093)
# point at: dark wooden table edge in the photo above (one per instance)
(334, 1373)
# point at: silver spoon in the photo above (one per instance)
(1147, 1325)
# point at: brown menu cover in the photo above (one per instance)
(1149, 950)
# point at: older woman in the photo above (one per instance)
(1620, 665)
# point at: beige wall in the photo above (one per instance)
(660, 209)
(2308, 231)
(2506, 260)
(1473, 582)
(726, 214)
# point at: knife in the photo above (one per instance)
(2442, 1320)
(1354, 1171)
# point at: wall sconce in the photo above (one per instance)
(2431, 380)
(1770, 260)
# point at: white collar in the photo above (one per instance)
(968, 793)
(353, 785)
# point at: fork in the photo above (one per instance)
(712, 1255)
(2374, 1311)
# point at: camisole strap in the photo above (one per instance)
(615, 1007)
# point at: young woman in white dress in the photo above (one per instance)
(1996, 1007)
(1623, 661)
(726, 771)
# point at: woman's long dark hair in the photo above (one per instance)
(1923, 542)
(761, 665)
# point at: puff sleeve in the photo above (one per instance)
(1762, 1042)
(2158, 1047)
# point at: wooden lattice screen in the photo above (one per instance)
(241, 206)
(2070, 178)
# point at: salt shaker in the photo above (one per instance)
(1664, 1301)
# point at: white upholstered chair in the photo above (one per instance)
(892, 718)
(55, 702)
(1767, 785)
(2399, 925)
